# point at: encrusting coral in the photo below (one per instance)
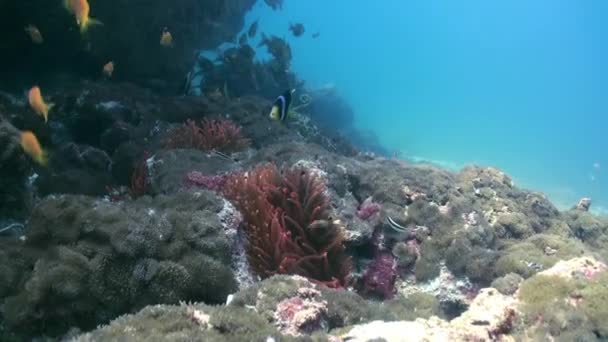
(288, 224)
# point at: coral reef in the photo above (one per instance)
(186, 322)
(329, 309)
(288, 224)
(570, 296)
(568, 301)
(380, 276)
(368, 209)
(172, 170)
(486, 319)
(214, 183)
(368, 238)
(85, 261)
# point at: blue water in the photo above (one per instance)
(521, 85)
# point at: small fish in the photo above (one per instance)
(316, 35)
(108, 69)
(480, 322)
(37, 103)
(280, 107)
(34, 34)
(253, 29)
(31, 147)
(166, 39)
(81, 10)
(297, 29)
(396, 226)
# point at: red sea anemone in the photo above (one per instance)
(220, 135)
(288, 225)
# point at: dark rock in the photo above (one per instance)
(112, 137)
(76, 169)
(170, 167)
(124, 161)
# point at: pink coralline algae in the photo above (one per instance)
(214, 183)
(368, 209)
(302, 314)
(589, 270)
(380, 277)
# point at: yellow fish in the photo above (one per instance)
(81, 10)
(34, 34)
(166, 39)
(31, 146)
(37, 103)
(108, 69)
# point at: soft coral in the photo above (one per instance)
(288, 224)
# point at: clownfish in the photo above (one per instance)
(280, 107)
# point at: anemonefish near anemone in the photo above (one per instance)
(81, 10)
(280, 107)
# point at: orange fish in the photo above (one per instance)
(31, 146)
(34, 34)
(166, 39)
(108, 69)
(37, 103)
(81, 10)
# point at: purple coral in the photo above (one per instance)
(368, 209)
(214, 183)
(380, 276)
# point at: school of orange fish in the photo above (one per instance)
(81, 11)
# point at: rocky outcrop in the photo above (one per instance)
(570, 298)
(84, 261)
